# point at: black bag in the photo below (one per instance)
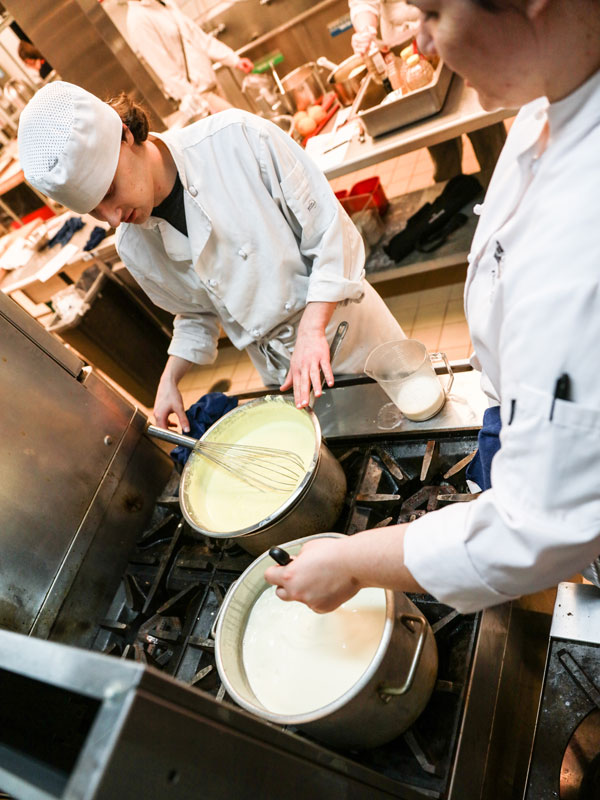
(424, 227)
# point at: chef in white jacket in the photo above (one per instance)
(226, 222)
(532, 300)
(180, 52)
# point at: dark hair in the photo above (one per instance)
(133, 115)
(29, 51)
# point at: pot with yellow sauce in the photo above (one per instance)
(217, 503)
(354, 678)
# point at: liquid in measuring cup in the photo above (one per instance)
(419, 398)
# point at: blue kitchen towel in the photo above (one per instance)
(488, 444)
(96, 237)
(201, 416)
(65, 234)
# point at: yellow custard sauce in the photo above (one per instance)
(219, 501)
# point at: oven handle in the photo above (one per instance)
(213, 630)
(387, 692)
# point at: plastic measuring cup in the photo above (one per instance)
(404, 370)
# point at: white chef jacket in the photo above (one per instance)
(395, 16)
(153, 31)
(266, 235)
(532, 299)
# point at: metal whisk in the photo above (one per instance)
(264, 468)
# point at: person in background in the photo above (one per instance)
(181, 53)
(31, 56)
(532, 298)
(226, 222)
(394, 18)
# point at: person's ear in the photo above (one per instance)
(127, 135)
(533, 8)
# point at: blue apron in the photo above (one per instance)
(488, 444)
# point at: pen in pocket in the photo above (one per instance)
(562, 391)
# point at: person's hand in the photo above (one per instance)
(245, 65)
(169, 401)
(319, 576)
(361, 40)
(310, 356)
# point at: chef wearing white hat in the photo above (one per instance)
(226, 222)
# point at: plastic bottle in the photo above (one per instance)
(419, 72)
(377, 67)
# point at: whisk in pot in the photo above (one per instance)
(263, 468)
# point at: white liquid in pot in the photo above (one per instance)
(419, 398)
(221, 502)
(297, 661)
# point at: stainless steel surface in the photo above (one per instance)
(353, 410)
(360, 717)
(461, 113)
(60, 482)
(12, 313)
(83, 45)
(314, 505)
(303, 86)
(297, 28)
(129, 731)
(577, 613)
(339, 79)
(381, 118)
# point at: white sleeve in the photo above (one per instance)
(214, 49)
(359, 6)
(327, 237)
(146, 40)
(540, 522)
(195, 337)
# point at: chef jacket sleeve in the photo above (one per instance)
(195, 337)
(540, 521)
(147, 40)
(328, 240)
(196, 37)
(358, 6)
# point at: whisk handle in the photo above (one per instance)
(282, 557)
(171, 436)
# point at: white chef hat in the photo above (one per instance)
(69, 144)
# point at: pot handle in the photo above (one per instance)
(387, 692)
(213, 630)
(324, 62)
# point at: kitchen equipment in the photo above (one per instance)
(303, 86)
(565, 758)
(386, 700)
(379, 118)
(264, 468)
(345, 78)
(263, 95)
(314, 504)
(405, 372)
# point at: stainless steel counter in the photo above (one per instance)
(354, 410)
(461, 113)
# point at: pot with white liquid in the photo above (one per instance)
(354, 678)
(222, 505)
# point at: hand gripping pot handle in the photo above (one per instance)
(387, 692)
(443, 357)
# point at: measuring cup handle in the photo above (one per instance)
(443, 357)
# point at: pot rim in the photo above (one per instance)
(339, 702)
(283, 509)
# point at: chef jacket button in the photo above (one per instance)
(287, 306)
(477, 208)
(213, 282)
(192, 190)
(256, 332)
(242, 253)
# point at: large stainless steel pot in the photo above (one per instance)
(345, 78)
(390, 695)
(303, 86)
(313, 507)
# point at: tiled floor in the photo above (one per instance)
(434, 316)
